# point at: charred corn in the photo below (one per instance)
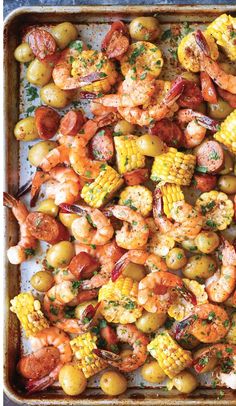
(137, 198)
(223, 29)
(140, 55)
(171, 193)
(82, 347)
(227, 133)
(171, 357)
(118, 301)
(97, 193)
(127, 154)
(217, 210)
(90, 61)
(28, 311)
(173, 167)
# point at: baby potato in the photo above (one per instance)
(125, 353)
(228, 165)
(176, 259)
(113, 383)
(25, 129)
(200, 266)
(134, 271)
(150, 145)
(42, 281)
(64, 33)
(219, 110)
(152, 372)
(122, 127)
(72, 380)
(53, 96)
(229, 233)
(67, 218)
(150, 322)
(39, 73)
(193, 77)
(207, 241)
(60, 254)
(189, 245)
(144, 29)
(48, 206)
(208, 363)
(23, 53)
(185, 382)
(39, 151)
(81, 307)
(227, 184)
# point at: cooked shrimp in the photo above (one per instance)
(134, 232)
(226, 357)
(187, 220)
(196, 128)
(220, 285)
(58, 155)
(48, 337)
(154, 111)
(157, 291)
(62, 72)
(92, 228)
(27, 243)
(231, 301)
(64, 185)
(107, 255)
(208, 323)
(78, 326)
(224, 80)
(151, 261)
(127, 333)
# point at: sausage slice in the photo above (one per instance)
(47, 121)
(46, 228)
(210, 157)
(72, 122)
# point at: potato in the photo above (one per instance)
(227, 184)
(176, 259)
(122, 127)
(42, 281)
(39, 73)
(53, 96)
(60, 254)
(208, 363)
(25, 129)
(200, 266)
(144, 29)
(193, 77)
(23, 53)
(150, 145)
(152, 372)
(150, 322)
(64, 33)
(49, 207)
(67, 218)
(113, 383)
(125, 353)
(207, 241)
(185, 382)
(72, 380)
(134, 271)
(229, 233)
(189, 245)
(39, 151)
(228, 165)
(219, 110)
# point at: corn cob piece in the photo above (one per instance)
(223, 29)
(171, 193)
(82, 347)
(227, 133)
(140, 55)
(118, 301)
(127, 154)
(188, 49)
(231, 335)
(27, 309)
(171, 357)
(217, 210)
(90, 61)
(173, 167)
(97, 193)
(138, 198)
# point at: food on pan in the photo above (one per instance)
(138, 211)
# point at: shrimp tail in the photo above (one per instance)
(87, 95)
(189, 296)
(107, 355)
(8, 200)
(72, 208)
(24, 189)
(202, 43)
(208, 123)
(92, 77)
(175, 91)
(183, 325)
(36, 385)
(39, 178)
(89, 313)
(118, 268)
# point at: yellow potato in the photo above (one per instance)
(25, 129)
(39, 73)
(144, 29)
(39, 151)
(23, 53)
(150, 322)
(72, 380)
(60, 254)
(42, 281)
(64, 33)
(152, 372)
(113, 383)
(53, 96)
(185, 382)
(67, 218)
(49, 207)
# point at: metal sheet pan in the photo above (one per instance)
(92, 17)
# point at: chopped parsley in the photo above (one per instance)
(29, 252)
(31, 93)
(201, 169)
(77, 45)
(166, 35)
(211, 223)
(136, 53)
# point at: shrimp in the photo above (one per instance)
(48, 338)
(188, 221)
(62, 71)
(27, 243)
(92, 228)
(127, 333)
(152, 261)
(224, 80)
(58, 155)
(208, 323)
(64, 185)
(107, 255)
(226, 357)
(220, 285)
(154, 111)
(197, 126)
(134, 232)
